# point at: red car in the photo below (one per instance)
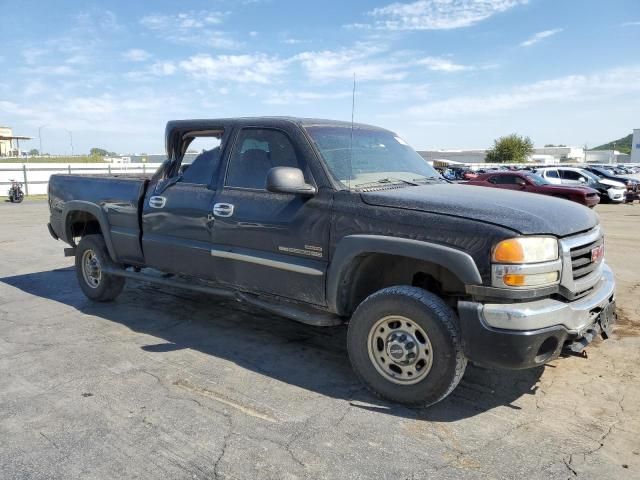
(530, 182)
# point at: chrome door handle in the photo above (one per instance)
(157, 202)
(223, 209)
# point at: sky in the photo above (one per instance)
(443, 74)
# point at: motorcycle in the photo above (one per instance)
(16, 195)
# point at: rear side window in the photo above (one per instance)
(256, 151)
(552, 174)
(202, 159)
(203, 167)
(503, 179)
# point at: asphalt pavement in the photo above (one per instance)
(164, 383)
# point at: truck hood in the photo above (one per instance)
(612, 183)
(526, 213)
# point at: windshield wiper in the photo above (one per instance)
(427, 179)
(386, 180)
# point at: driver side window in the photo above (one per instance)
(256, 151)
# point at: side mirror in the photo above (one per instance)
(582, 180)
(289, 180)
(521, 183)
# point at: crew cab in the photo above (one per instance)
(526, 181)
(332, 223)
(609, 190)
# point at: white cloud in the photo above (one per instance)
(540, 36)
(572, 88)
(440, 64)
(630, 24)
(288, 97)
(437, 14)
(399, 92)
(51, 70)
(163, 68)
(192, 28)
(32, 55)
(136, 55)
(182, 21)
(258, 68)
(326, 65)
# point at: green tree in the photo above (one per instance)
(98, 152)
(34, 152)
(510, 149)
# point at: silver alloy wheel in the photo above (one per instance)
(91, 269)
(400, 350)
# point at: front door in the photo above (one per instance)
(267, 242)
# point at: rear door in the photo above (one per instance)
(552, 176)
(177, 220)
(265, 242)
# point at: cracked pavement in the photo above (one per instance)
(165, 383)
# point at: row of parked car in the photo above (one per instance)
(588, 185)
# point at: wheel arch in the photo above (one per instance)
(82, 212)
(358, 258)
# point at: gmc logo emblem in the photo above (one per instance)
(597, 254)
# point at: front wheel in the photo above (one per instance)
(404, 343)
(92, 257)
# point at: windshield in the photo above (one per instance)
(536, 179)
(373, 157)
(589, 175)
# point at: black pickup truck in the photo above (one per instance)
(327, 223)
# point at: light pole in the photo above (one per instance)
(70, 139)
(40, 137)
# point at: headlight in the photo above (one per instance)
(526, 250)
(526, 262)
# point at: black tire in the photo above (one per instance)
(429, 313)
(107, 287)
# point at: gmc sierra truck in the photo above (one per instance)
(328, 223)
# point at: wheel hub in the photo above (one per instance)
(91, 269)
(402, 348)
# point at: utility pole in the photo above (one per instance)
(70, 140)
(40, 137)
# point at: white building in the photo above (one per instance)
(458, 156)
(542, 155)
(562, 154)
(635, 146)
(5, 145)
(606, 156)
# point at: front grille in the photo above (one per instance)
(581, 263)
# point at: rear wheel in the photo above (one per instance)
(404, 343)
(91, 259)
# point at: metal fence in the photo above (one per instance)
(35, 176)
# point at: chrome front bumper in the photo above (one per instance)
(576, 317)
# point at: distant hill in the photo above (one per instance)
(623, 145)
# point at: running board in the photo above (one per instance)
(302, 314)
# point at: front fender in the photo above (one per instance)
(350, 247)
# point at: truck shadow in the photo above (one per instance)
(312, 358)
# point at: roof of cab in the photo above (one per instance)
(198, 124)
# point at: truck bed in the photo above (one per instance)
(114, 201)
